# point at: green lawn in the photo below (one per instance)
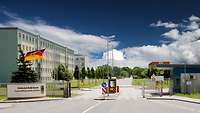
(193, 95)
(2, 98)
(137, 82)
(87, 83)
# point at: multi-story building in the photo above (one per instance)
(81, 61)
(54, 54)
(70, 60)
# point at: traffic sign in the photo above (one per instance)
(104, 85)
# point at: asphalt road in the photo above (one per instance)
(128, 101)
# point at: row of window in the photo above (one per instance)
(49, 63)
(47, 54)
(28, 48)
(22, 37)
(26, 38)
(46, 44)
(46, 78)
(80, 59)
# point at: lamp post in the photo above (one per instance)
(109, 39)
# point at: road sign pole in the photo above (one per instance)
(143, 92)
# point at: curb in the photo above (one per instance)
(183, 100)
(20, 101)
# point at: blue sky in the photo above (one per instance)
(135, 24)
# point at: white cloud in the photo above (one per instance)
(84, 43)
(173, 34)
(194, 18)
(193, 26)
(164, 24)
(185, 46)
(117, 55)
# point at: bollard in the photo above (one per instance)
(70, 93)
(143, 92)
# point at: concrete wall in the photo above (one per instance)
(8, 48)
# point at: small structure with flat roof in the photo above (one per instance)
(185, 78)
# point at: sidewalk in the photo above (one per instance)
(30, 100)
(177, 98)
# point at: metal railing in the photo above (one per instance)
(3, 89)
(155, 88)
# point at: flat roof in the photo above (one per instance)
(41, 37)
(8, 27)
(177, 65)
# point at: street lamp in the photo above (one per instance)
(109, 39)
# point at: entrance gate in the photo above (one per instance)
(155, 88)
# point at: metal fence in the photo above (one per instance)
(3, 89)
(155, 88)
(58, 89)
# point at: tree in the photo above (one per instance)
(153, 71)
(117, 72)
(76, 73)
(68, 75)
(89, 74)
(98, 73)
(124, 74)
(83, 73)
(24, 74)
(93, 73)
(62, 73)
(127, 69)
(140, 72)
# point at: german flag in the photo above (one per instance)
(34, 55)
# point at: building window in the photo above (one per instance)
(23, 36)
(19, 34)
(33, 40)
(26, 38)
(30, 39)
(82, 64)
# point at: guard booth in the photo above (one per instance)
(112, 85)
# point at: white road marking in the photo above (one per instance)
(91, 107)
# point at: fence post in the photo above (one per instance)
(66, 90)
(161, 88)
(143, 88)
(70, 94)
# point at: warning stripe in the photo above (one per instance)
(104, 90)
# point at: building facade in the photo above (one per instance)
(81, 61)
(185, 78)
(70, 60)
(54, 54)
